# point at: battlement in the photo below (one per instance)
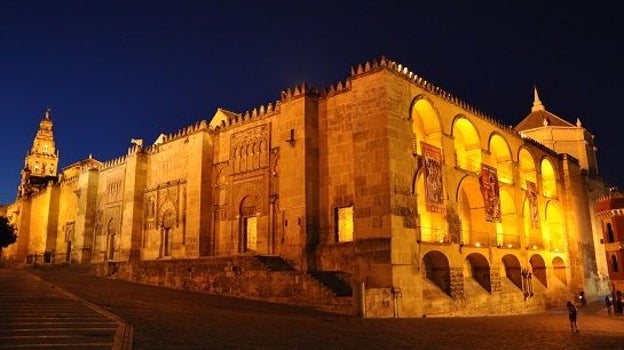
(298, 90)
(610, 195)
(384, 63)
(231, 119)
(113, 162)
(201, 125)
(337, 88)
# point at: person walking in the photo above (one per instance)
(608, 303)
(572, 310)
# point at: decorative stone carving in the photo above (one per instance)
(167, 196)
(249, 149)
(220, 174)
(69, 231)
(253, 190)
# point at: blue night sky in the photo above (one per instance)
(115, 70)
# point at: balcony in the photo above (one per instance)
(434, 235)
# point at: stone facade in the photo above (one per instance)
(337, 181)
(610, 210)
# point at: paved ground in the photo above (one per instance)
(170, 319)
(35, 314)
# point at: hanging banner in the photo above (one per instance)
(532, 197)
(434, 194)
(491, 198)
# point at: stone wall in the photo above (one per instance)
(243, 277)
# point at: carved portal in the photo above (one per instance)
(69, 237)
(112, 229)
(248, 211)
(164, 218)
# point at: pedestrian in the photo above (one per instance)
(572, 316)
(582, 299)
(608, 303)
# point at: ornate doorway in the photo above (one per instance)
(113, 229)
(168, 222)
(248, 225)
(69, 234)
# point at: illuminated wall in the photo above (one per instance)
(379, 177)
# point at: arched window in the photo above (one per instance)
(467, 145)
(425, 124)
(554, 229)
(475, 230)
(500, 158)
(610, 237)
(614, 263)
(549, 182)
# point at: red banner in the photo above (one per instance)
(532, 197)
(432, 161)
(491, 198)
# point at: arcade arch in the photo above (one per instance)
(467, 145)
(559, 269)
(479, 269)
(507, 229)
(539, 268)
(432, 225)
(531, 222)
(513, 269)
(425, 124)
(438, 270)
(526, 166)
(549, 182)
(500, 158)
(474, 228)
(554, 229)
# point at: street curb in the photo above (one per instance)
(124, 334)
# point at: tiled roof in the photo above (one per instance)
(536, 119)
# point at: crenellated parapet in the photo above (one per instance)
(385, 63)
(337, 88)
(297, 91)
(230, 119)
(198, 126)
(611, 195)
(113, 162)
(610, 205)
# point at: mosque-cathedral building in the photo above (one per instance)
(382, 195)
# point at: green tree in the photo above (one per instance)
(8, 234)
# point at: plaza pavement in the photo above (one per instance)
(164, 318)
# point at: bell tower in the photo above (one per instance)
(41, 162)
